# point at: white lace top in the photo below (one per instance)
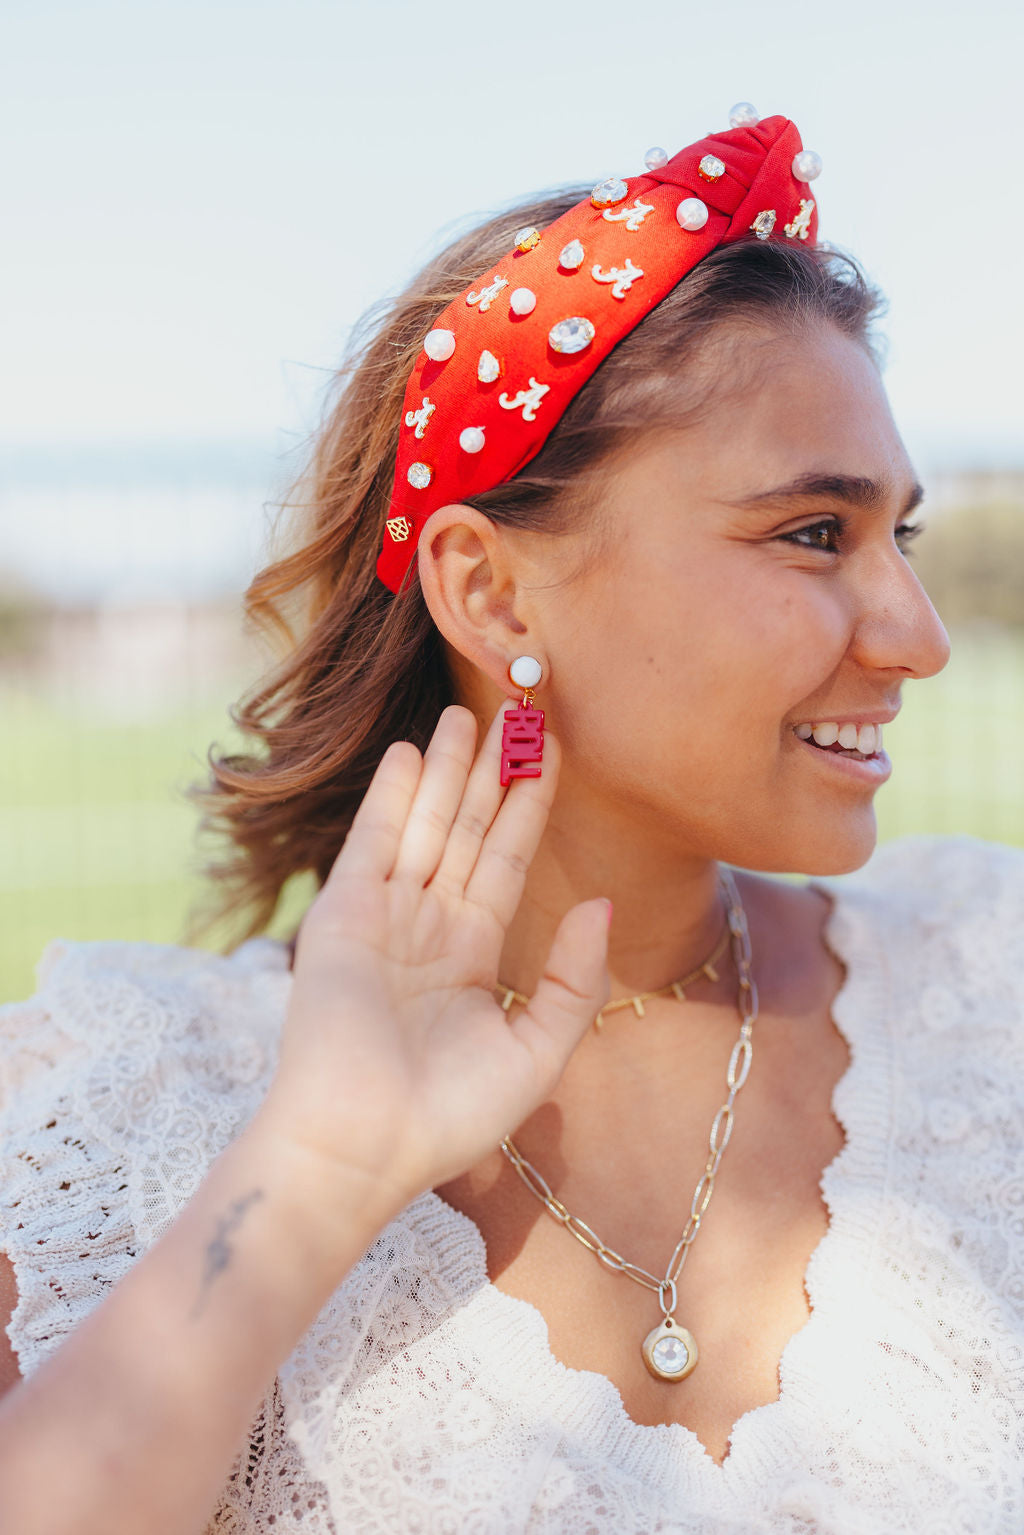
(423, 1399)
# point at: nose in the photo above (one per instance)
(897, 626)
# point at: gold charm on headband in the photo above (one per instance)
(420, 418)
(632, 217)
(526, 400)
(764, 223)
(399, 528)
(800, 228)
(488, 367)
(623, 277)
(486, 296)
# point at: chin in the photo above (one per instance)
(833, 845)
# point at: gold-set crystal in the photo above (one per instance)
(711, 168)
(525, 239)
(669, 1351)
(764, 223)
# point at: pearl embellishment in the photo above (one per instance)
(471, 439)
(806, 165)
(692, 213)
(743, 115)
(655, 158)
(439, 345)
(525, 672)
(523, 301)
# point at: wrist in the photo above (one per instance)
(331, 1210)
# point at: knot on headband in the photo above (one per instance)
(506, 357)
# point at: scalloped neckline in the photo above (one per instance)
(593, 1398)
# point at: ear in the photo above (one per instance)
(468, 576)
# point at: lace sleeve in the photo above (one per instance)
(120, 1082)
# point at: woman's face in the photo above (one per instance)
(752, 578)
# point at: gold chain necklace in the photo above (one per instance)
(670, 1351)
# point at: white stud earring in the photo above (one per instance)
(525, 672)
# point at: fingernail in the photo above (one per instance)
(611, 909)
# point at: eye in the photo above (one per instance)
(820, 535)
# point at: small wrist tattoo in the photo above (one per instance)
(219, 1251)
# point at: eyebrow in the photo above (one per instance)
(853, 489)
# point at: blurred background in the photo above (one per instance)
(200, 200)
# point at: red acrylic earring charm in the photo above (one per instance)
(522, 735)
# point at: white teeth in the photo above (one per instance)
(866, 739)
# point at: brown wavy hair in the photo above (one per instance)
(363, 668)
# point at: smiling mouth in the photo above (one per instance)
(843, 751)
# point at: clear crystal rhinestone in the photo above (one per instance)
(488, 368)
(711, 167)
(526, 238)
(609, 192)
(671, 1355)
(419, 476)
(572, 256)
(764, 223)
(572, 335)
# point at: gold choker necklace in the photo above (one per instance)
(673, 989)
(670, 1351)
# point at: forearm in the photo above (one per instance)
(134, 1422)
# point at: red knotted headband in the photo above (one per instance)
(506, 357)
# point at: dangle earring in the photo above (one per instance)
(522, 735)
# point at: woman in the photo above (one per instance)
(310, 1215)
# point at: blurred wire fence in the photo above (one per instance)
(112, 690)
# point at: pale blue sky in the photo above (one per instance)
(199, 198)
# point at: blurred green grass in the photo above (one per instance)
(97, 840)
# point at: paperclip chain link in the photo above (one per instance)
(721, 1129)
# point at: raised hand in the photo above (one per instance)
(397, 1064)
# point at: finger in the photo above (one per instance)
(446, 765)
(483, 795)
(570, 993)
(372, 843)
(499, 876)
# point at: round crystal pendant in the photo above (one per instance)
(419, 476)
(670, 1351)
(572, 335)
